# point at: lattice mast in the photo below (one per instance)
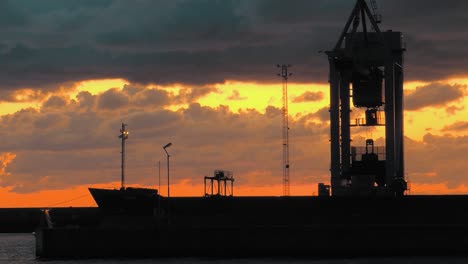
(285, 75)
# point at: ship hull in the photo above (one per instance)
(128, 200)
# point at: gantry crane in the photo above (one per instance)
(370, 64)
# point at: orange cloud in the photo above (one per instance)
(202, 131)
(457, 126)
(433, 94)
(309, 97)
(5, 159)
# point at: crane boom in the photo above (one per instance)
(375, 11)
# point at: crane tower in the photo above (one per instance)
(285, 75)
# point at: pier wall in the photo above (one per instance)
(270, 226)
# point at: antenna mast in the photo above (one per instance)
(285, 75)
(123, 136)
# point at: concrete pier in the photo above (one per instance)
(273, 226)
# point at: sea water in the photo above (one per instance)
(19, 248)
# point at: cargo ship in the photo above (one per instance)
(364, 211)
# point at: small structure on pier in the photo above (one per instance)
(220, 184)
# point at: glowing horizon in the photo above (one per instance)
(239, 97)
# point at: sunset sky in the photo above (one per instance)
(202, 75)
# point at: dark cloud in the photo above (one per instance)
(202, 42)
(434, 46)
(434, 94)
(152, 97)
(437, 159)
(323, 114)
(273, 112)
(141, 97)
(308, 97)
(11, 17)
(86, 99)
(113, 99)
(457, 126)
(59, 116)
(55, 102)
(204, 24)
(50, 121)
(189, 95)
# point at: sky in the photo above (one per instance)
(202, 75)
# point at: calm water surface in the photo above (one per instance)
(19, 248)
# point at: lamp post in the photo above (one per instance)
(159, 176)
(159, 187)
(168, 156)
(168, 190)
(123, 136)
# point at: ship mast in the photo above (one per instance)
(123, 136)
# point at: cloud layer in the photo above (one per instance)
(200, 42)
(48, 45)
(435, 95)
(309, 97)
(69, 142)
